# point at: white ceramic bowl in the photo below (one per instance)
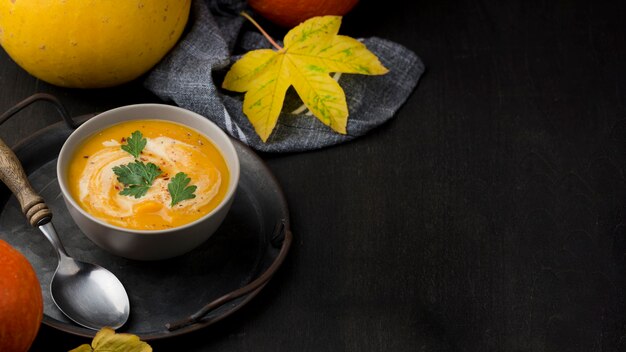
(144, 244)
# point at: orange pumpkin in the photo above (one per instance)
(21, 303)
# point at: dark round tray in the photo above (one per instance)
(168, 297)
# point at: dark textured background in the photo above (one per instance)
(488, 216)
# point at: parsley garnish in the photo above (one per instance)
(136, 191)
(179, 190)
(137, 177)
(135, 144)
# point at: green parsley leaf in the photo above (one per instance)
(127, 175)
(148, 171)
(179, 190)
(137, 177)
(135, 144)
(136, 191)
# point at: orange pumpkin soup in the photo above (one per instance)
(95, 183)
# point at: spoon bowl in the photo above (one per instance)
(86, 293)
(101, 294)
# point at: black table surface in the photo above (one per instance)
(488, 215)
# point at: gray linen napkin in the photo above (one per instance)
(185, 77)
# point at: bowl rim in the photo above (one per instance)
(234, 174)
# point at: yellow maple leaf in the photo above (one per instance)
(106, 340)
(311, 51)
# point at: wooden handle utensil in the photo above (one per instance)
(13, 175)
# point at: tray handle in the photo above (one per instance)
(40, 97)
(282, 237)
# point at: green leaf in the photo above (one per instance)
(127, 176)
(136, 191)
(148, 171)
(135, 144)
(179, 190)
(137, 177)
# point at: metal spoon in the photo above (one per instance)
(86, 293)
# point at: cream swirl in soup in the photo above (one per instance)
(172, 148)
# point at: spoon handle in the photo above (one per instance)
(13, 175)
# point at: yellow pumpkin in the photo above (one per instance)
(90, 43)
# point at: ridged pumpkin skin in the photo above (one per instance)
(90, 43)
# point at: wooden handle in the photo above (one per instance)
(13, 175)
